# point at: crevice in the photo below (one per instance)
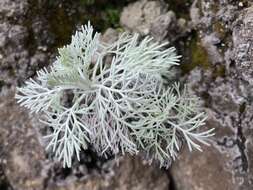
(89, 163)
(4, 183)
(172, 185)
(240, 140)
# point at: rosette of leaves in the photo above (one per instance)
(118, 101)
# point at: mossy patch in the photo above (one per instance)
(214, 6)
(219, 71)
(196, 55)
(219, 28)
(63, 20)
(64, 16)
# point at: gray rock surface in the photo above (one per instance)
(138, 16)
(21, 44)
(153, 18)
(242, 42)
(224, 28)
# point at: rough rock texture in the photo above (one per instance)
(189, 170)
(152, 17)
(20, 148)
(242, 41)
(227, 164)
(23, 44)
(142, 13)
(225, 86)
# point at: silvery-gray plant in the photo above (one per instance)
(120, 102)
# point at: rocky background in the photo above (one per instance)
(215, 38)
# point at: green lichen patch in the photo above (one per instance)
(196, 55)
(64, 16)
(219, 71)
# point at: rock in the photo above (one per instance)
(225, 34)
(15, 10)
(110, 35)
(13, 36)
(138, 16)
(227, 163)
(190, 168)
(18, 45)
(195, 13)
(163, 26)
(123, 175)
(210, 43)
(242, 41)
(153, 18)
(21, 154)
(131, 177)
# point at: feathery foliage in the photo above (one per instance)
(119, 101)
